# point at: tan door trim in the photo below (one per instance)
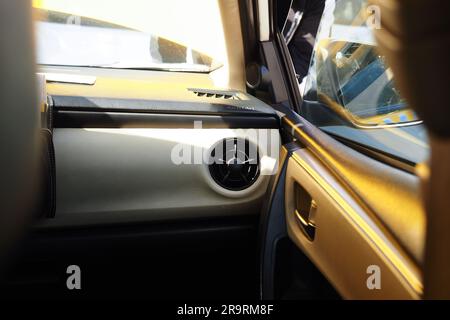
(347, 240)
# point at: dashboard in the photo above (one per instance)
(134, 146)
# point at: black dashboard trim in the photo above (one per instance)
(97, 112)
(249, 106)
(95, 119)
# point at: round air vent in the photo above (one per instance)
(234, 164)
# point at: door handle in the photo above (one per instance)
(307, 226)
(305, 211)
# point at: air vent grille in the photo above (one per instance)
(215, 94)
(235, 164)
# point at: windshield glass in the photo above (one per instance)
(174, 35)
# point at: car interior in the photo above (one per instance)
(196, 175)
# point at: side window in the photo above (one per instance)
(348, 88)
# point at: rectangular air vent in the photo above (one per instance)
(215, 94)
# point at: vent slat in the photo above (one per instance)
(214, 95)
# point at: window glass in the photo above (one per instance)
(349, 89)
(137, 34)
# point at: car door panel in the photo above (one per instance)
(354, 224)
(390, 194)
(346, 240)
(368, 202)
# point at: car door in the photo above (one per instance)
(347, 197)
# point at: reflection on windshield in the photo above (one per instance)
(348, 75)
(354, 77)
(348, 89)
(63, 39)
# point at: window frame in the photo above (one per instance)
(294, 89)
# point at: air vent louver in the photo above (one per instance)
(235, 164)
(214, 94)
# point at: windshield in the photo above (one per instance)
(172, 35)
